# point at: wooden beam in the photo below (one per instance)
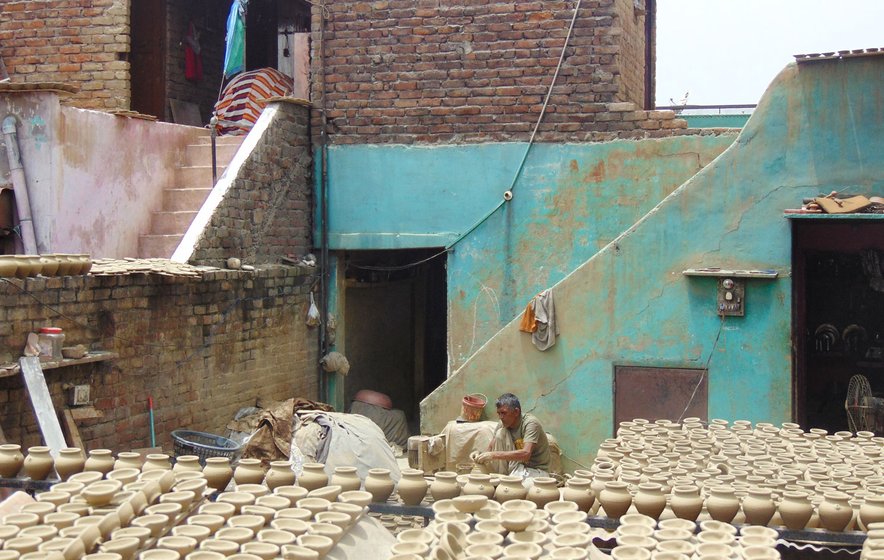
(70, 426)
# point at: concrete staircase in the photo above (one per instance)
(193, 182)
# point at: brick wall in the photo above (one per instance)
(266, 212)
(202, 347)
(78, 42)
(406, 71)
(632, 53)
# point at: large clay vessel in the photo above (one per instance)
(279, 474)
(100, 460)
(70, 461)
(313, 476)
(615, 499)
(248, 471)
(722, 503)
(758, 506)
(412, 487)
(835, 511)
(444, 486)
(38, 462)
(872, 510)
(686, 502)
(649, 499)
(579, 491)
(346, 478)
(379, 484)
(510, 488)
(601, 478)
(11, 459)
(218, 472)
(478, 484)
(543, 491)
(795, 509)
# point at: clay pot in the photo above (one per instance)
(50, 265)
(346, 478)
(187, 463)
(795, 509)
(510, 488)
(722, 503)
(379, 484)
(157, 462)
(70, 461)
(128, 459)
(11, 460)
(615, 499)
(478, 484)
(218, 472)
(872, 510)
(578, 490)
(543, 491)
(280, 474)
(686, 502)
(313, 476)
(38, 462)
(445, 486)
(835, 511)
(758, 506)
(8, 266)
(412, 487)
(99, 460)
(248, 471)
(649, 499)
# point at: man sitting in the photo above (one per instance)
(520, 446)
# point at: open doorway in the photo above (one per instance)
(395, 312)
(838, 315)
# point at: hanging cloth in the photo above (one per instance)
(235, 50)
(539, 319)
(193, 60)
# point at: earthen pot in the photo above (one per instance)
(38, 463)
(649, 499)
(11, 460)
(100, 460)
(722, 503)
(510, 488)
(279, 474)
(835, 511)
(379, 484)
(313, 476)
(412, 487)
(248, 471)
(346, 477)
(795, 509)
(70, 461)
(577, 490)
(615, 499)
(444, 486)
(218, 472)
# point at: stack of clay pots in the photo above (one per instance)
(739, 473)
(24, 266)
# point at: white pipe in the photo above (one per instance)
(19, 186)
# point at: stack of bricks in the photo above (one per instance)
(84, 44)
(201, 347)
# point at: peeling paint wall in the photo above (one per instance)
(93, 178)
(817, 128)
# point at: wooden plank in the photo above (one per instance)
(41, 400)
(70, 427)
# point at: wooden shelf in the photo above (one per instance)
(10, 369)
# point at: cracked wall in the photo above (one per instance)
(816, 129)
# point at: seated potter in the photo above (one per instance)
(520, 446)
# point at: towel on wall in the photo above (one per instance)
(539, 319)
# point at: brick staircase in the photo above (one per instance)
(182, 202)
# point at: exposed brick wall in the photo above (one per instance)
(266, 213)
(202, 347)
(78, 42)
(632, 53)
(406, 71)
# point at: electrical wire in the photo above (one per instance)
(705, 371)
(395, 268)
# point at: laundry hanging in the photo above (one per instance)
(193, 60)
(539, 319)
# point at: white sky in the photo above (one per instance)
(728, 51)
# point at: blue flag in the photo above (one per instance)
(235, 51)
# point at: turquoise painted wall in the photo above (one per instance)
(716, 121)
(817, 128)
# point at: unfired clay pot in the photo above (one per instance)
(722, 503)
(128, 459)
(346, 478)
(100, 460)
(835, 511)
(156, 462)
(248, 471)
(686, 502)
(615, 499)
(313, 476)
(38, 462)
(412, 487)
(758, 506)
(480, 484)
(280, 474)
(70, 461)
(650, 500)
(578, 490)
(187, 463)
(510, 488)
(444, 486)
(11, 459)
(872, 511)
(795, 509)
(543, 491)
(379, 484)
(218, 472)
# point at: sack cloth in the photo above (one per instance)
(272, 437)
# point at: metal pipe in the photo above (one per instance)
(19, 186)
(323, 265)
(213, 132)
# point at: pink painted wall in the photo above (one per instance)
(93, 178)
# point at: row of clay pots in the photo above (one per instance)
(23, 266)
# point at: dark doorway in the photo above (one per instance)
(838, 315)
(148, 57)
(659, 393)
(395, 307)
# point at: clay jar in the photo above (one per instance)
(187, 463)
(478, 484)
(615, 499)
(578, 490)
(510, 488)
(649, 499)
(38, 462)
(70, 461)
(346, 478)
(544, 490)
(156, 462)
(127, 460)
(412, 487)
(722, 504)
(835, 511)
(872, 510)
(248, 471)
(100, 460)
(313, 476)
(11, 459)
(218, 472)
(686, 502)
(445, 486)
(758, 506)
(795, 509)
(280, 474)
(379, 484)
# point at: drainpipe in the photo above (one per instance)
(323, 260)
(19, 186)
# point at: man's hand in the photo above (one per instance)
(483, 458)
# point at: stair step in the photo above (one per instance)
(166, 223)
(186, 199)
(195, 176)
(201, 154)
(158, 246)
(221, 140)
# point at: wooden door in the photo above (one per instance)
(655, 393)
(148, 57)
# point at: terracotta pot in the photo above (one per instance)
(615, 499)
(543, 491)
(313, 476)
(248, 471)
(444, 486)
(11, 460)
(38, 462)
(379, 484)
(795, 509)
(346, 478)
(649, 499)
(722, 503)
(279, 474)
(758, 506)
(156, 462)
(99, 460)
(835, 511)
(579, 491)
(218, 472)
(412, 487)
(510, 488)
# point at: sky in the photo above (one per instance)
(724, 52)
